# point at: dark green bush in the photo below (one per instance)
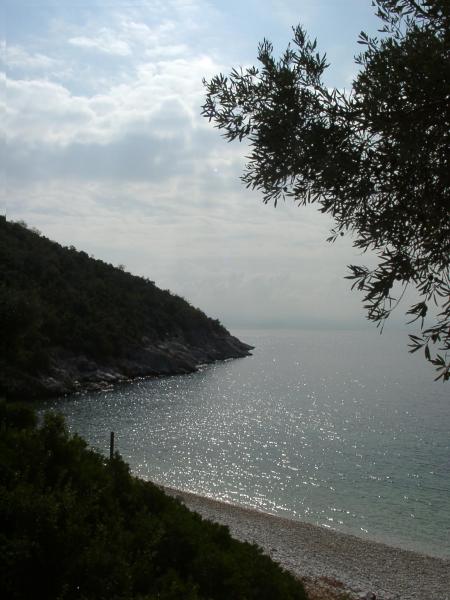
(77, 526)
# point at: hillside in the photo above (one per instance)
(71, 322)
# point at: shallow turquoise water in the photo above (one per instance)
(341, 429)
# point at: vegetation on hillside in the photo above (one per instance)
(53, 297)
(77, 526)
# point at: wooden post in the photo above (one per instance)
(111, 446)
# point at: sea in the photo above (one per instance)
(342, 429)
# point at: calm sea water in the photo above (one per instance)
(341, 429)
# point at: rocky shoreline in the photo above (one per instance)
(69, 372)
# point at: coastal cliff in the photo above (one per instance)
(72, 322)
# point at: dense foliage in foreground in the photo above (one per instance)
(76, 526)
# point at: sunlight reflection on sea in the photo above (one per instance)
(341, 429)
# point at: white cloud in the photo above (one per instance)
(17, 57)
(166, 52)
(104, 41)
(40, 112)
(116, 159)
(163, 98)
(141, 34)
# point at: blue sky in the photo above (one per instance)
(105, 149)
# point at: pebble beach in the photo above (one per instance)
(328, 562)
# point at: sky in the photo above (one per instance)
(104, 148)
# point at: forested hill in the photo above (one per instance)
(71, 322)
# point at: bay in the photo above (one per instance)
(342, 429)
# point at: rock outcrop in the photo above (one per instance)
(70, 373)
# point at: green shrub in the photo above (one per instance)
(77, 526)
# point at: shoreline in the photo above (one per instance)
(334, 562)
(71, 373)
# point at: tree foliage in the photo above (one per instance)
(75, 526)
(374, 158)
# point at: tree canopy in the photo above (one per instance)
(375, 158)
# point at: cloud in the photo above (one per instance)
(45, 112)
(106, 150)
(17, 57)
(105, 41)
(40, 111)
